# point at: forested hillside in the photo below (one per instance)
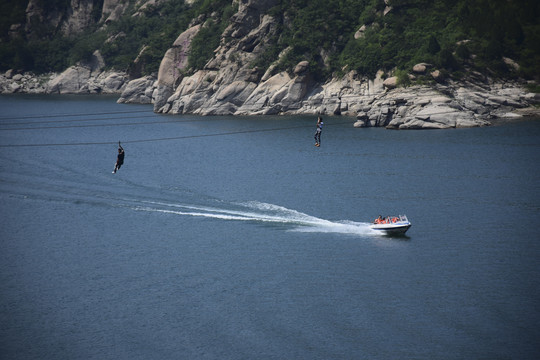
(498, 37)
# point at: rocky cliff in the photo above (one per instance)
(72, 17)
(230, 84)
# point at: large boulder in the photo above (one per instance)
(511, 64)
(9, 74)
(113, 83)
(71, 81)
(437, 75)
(420, 68)
(138, 91)
(301, 67)
(390, 83)
(360, 33)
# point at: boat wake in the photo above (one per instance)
(80, 188)
(264, 213)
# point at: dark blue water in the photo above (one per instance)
(254, 244)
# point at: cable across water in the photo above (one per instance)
(165, 138)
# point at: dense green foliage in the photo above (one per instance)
(11, 12)
(207, 40)
(313, 29)
(445, 33)
(155, 32)
(120, 42)
(454, 35)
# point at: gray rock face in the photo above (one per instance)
(390, 83)
(75, 80)
(422, 107)
(172, 66)
(78, 16)
(112, 82)
(71, 81)
(138, 91)
(420, 68)
(228, 80)
(209, 92)
(83, 78)
(113, 10)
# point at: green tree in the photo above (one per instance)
(447, 60)
(463, 51)
(203, 45)
(433, 45)
(23, 59)
(403, 78)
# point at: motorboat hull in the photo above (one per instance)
(392, 225)
(391, 229)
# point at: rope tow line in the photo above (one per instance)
(6, 126)
(98, 125)
(164, 139)
(69, 121)
(65, 115)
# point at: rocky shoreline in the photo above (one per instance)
(89, 78)
(435, 106)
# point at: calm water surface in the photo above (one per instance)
(236, 238)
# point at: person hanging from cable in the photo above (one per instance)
(318, 132)
(119, 158)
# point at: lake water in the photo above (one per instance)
(236, 238)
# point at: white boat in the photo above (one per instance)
(392, 225)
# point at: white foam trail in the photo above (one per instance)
(199, 214)
(308, 223)
(265, 213)
(345, 227)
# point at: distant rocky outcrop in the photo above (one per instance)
(83, 78)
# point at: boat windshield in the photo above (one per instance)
(391, 219)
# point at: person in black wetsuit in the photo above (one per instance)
(119, 158)
(318, 132)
